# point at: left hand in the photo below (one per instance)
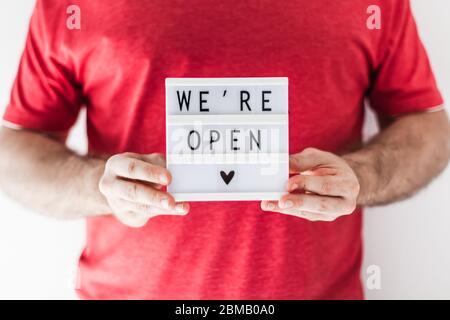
(327, 184)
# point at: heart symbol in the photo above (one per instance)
(227, 176)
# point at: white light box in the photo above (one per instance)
(227, 138)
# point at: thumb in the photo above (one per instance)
(157, 159)
(310, 159)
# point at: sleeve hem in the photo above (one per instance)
(14, 120)
(436, 108)
(429, 103)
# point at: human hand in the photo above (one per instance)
(329, 187)
(131, 184)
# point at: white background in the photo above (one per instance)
(408, 241)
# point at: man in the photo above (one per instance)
(307, 245)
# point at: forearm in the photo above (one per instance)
(42, 174)
(404, 157)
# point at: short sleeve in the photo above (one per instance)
(45, 95)
(404, 81)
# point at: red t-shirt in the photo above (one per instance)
(115, 66)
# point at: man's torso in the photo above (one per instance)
(121, 56)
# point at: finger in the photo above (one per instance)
(323, 185)
(181, 208)
(309, 159)
(157, 159)
(132, 219)
(316, 204)
(316, 217)
(136, 169)
(273, 206)
(140, 193)
(310, 216)
(267, 205)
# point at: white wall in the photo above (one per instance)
(408, 240)
(38, 256)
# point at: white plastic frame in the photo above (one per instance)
(171, 119)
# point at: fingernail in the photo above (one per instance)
(286, 204)
(165, 203)
(163, 179)
(270, 206)
(293, 187)
(180, 208)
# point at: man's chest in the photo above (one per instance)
(135, 45)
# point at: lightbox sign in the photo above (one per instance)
(227, 138)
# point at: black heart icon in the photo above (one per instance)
(227, 176)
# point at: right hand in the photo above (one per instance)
(131, 184)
